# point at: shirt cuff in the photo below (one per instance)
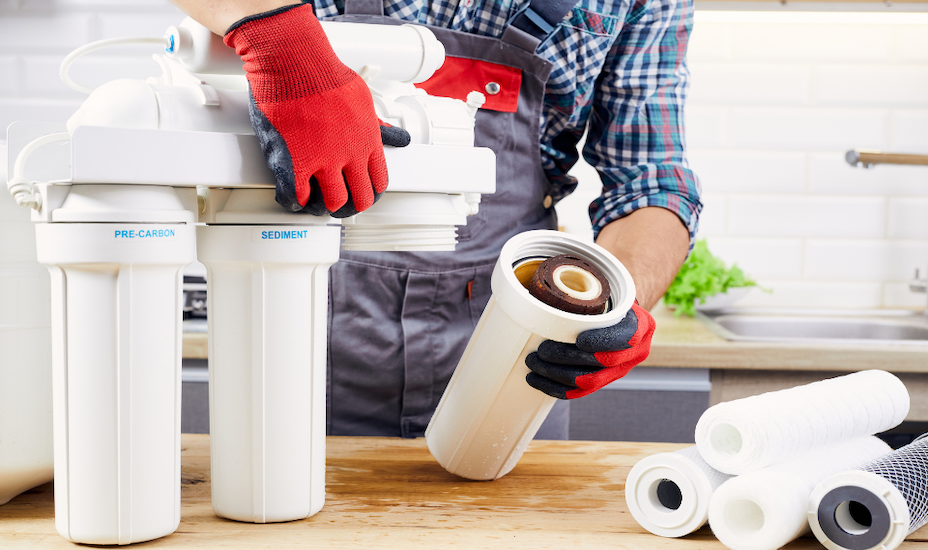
(685, 204)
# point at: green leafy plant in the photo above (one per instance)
(701, 276)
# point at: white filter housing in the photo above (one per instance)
(116, 352)
(267, 292)
(488, 413)
(26, 457)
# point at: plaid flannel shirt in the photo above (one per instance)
(619, 69)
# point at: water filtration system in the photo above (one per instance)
(150, 175)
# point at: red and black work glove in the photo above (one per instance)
(313, 116)
(601, 356)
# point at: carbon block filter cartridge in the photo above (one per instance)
(876, 506)
(765, 509)
(668, 493)
(747, 434)
(488, 413)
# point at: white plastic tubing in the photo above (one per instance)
(748, 434)
(669, 493)
(402, 53)
(765, 509)
(874, 507)
(488, 413)
(20, 188)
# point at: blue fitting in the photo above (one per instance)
(170, 46)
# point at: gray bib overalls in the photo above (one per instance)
(399, 321)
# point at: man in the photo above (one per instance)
(399, 321)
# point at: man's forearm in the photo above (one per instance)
(652, 243)
(219, 15)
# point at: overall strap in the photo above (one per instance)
(363, 7)
(532, 24)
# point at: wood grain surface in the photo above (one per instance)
(389, 493)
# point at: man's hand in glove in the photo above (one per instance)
(601, 356)
(313, 116)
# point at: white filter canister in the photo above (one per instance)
(267, 293)
(116, 354)
(26, 457)
(488, 413)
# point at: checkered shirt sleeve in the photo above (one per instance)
(635, 137)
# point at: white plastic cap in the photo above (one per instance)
(120, 103)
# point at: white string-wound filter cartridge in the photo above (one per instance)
(876, 506)
(747, 434)
(668, 493)
(765, 509)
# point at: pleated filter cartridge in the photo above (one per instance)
(874, 507)
(747, 434)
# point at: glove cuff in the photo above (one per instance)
(287, 55)
(257, 16)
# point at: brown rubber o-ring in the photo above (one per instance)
(544, 288)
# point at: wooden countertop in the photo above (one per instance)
(390, 493)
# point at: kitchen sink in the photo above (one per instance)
(875, 327)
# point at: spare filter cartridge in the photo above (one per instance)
(747, 434)
(876, 506)
(765, 509)
(668, 493)
(488, 413)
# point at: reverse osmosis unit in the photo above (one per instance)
(148, 176)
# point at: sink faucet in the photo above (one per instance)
(863, 158)
(919, 285)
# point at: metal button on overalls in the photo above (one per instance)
(399, 321)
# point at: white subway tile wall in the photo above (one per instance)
(38, 34)
(776, 100)
(908, 129)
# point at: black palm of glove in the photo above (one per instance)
(600, 356)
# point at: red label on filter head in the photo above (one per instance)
(458, 77)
